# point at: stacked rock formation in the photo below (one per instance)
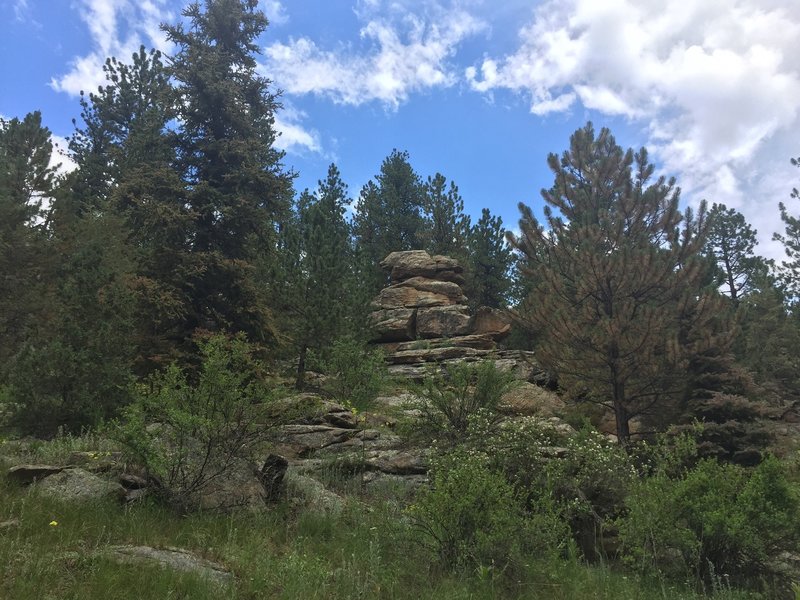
(423, 317)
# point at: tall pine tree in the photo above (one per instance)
(730, 245)
(617, 296)
(490, 262)
(790, 268)
(388, 216)
(316, 285)
(236, 185)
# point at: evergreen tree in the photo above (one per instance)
(790, 269)
(125, 152)
(26, 180)
(730, 243)
(316, 286)
(74, 369)
(490, 262)
(617, 294)
(446, 228)
(236, 186)
(388, 216)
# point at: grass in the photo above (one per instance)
(283, 552)
(278, 553)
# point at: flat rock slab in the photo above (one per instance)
(175, 559)
(398, 463)
(434, 355)
(80, 485)
(26, 474)
(418, 263)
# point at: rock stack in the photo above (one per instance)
(422, 315)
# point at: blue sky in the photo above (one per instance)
(478, 90)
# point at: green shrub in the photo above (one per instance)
(714, 520)
(450, 399)
(582, 479)
(356, 374)
(185, 434)
(470, 515)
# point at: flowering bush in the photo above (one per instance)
(582, 478)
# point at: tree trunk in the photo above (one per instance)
(299, 382)
(621, 415)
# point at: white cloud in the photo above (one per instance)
(59, 158)
(294, 137)
(275, 11)
(715, 84)
(117, 28)
(408, 50)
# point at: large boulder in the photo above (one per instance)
(394, 325)
(419, 291)
(492, 322)
(418, 263)
(443, 321)
(237, 484)
(79, 485)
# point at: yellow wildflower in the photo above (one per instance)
(53, 523)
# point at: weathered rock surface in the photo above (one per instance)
(311, 493)
(443, 321)
(419, 292)
(478, 342)
(79, 485)
(434, 355)
(175, 559)
(425, 309)
(530, 399)
(491, 322)
(237, 484)
(394, 325)
(416, 364)
(298, 440)
(418, 263)
(27, 474)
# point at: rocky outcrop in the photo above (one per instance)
(422, 317)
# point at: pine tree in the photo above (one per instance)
(125, 151)
(71, 366)
(730, 244)
(316, 285)
(446, 227)
(617, 294)
(236, 186)
(790, 269)
(26, 180)
(490, 262)
(388, 216)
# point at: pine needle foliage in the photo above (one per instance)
(617, 292)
